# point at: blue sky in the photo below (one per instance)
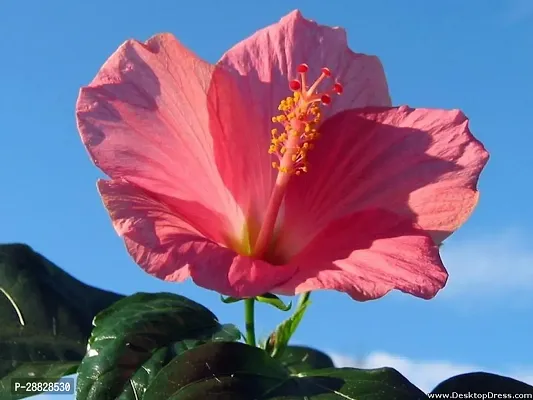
(475, 55)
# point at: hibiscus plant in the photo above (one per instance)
(282, 169)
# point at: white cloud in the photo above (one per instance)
(489, 266)
(424, 374)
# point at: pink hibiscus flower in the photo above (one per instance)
(360, 195)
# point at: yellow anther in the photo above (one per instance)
(300, 115)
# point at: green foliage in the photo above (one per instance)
(279, 339)
(236, 371)
(302, 359)
(267, 298)
(137, 336)
(46, 317)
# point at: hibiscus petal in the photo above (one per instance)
(367, 254)
(168, 247)
(420, 163)
(241, 276)
(145, 118)
(262, 66)
(268, 60)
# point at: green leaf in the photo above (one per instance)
(229, 299)
(136, 337)
(279, 339)
(301, 359)
(267, 298)
(46, 317)
(482, 382)
(275, 301)
(236, 371)
(349, 384)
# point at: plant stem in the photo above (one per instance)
(249, 316)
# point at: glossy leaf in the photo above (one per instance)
(137, 336)
(236, 370)
(301, 359)
(220, 371)
(482, 382)
(349, 384)
(279, 339)
(46, 317)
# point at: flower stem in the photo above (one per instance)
(249, 317)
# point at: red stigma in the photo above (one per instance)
(295, 85)
(337, 88)
(325, 99)
(326, 71)
(302, 68)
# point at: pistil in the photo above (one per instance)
(300, 117)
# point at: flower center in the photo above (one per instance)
(300, 115)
